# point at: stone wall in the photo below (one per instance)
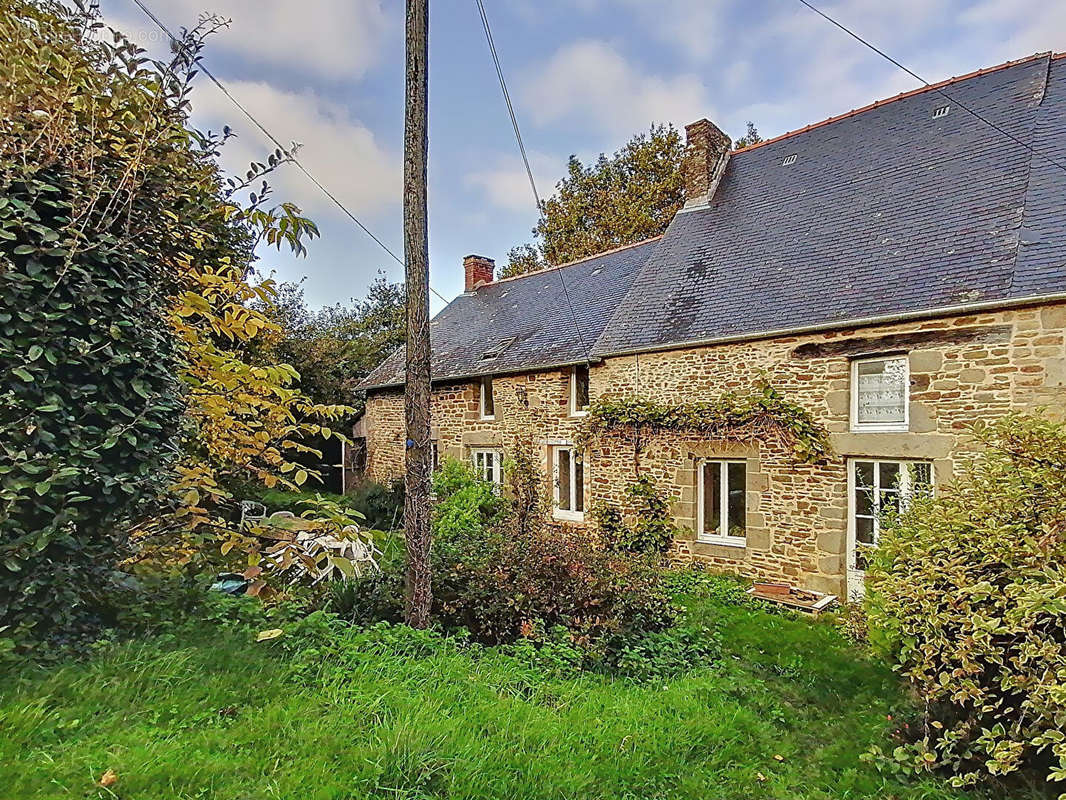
(961, 369)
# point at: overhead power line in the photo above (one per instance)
(938, 90)
(525, 159)
(221, 87)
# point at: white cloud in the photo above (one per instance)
(335, 39)
(338, 149)
(1024, 26)
(592, 83)
(696, 27)
(506, 184)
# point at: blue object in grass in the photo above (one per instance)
(230, 583)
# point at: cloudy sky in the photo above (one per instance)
(584, 74)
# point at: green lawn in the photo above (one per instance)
(784, 714)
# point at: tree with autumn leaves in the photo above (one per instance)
(130, 405)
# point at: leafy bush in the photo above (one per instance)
(375, 596)
(696, 581)
(653, 529)
(663, 654)
(90, 402)
(381, 505)
(501, 583)
(969, 598)
(294, 502)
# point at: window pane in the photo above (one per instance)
(737, 488)
(889, 500)
(864, 530)
(861, 561)
(712, 492)
(864, 473)
(581, 388)
(881, 388)
(889, 474)
(564, 480)
(921, 476)
(488, 402)
(864, 502)
(579, 483)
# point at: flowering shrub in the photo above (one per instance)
(969, 599)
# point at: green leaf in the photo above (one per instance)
(22, 373)
(34, 352)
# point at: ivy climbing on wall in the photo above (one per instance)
(764, 414)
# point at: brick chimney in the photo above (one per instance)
(478, 270)
(706, 156)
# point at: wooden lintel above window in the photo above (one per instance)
(903, 342)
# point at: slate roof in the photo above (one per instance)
(886, 211)
(533, 311)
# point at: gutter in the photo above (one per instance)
(472, 375)
(856, 322)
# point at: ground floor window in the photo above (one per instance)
(488, 464)
(569, 479)
(878, 486)
(722, 502)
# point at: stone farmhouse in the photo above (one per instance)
(898, 271)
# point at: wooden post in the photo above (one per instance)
(416, 258)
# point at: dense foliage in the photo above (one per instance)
(337, 346)
(969, 598)
(127, 321)
(94, 159)
(732, 417)
(502, 582)
(614, 201)
(646, 526)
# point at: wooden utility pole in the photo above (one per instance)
(416, 258)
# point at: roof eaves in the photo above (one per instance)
(831, 325)
(544, 367)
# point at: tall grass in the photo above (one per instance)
(785, 713)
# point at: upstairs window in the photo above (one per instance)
(723, 502)
(879, 393)
(569, 470)
(488, 464)
(488, 402)
(579, 390)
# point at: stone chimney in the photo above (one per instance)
(478, 270)
(706, 155)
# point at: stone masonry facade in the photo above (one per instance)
(962, 369)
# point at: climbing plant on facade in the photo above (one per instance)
(732, 417)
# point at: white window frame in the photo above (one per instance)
(496, 475)
(880, 427)
(486, 382)
(574, 410)
(575, 490)
(906, 493)
(434, 457)
(722, 536)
